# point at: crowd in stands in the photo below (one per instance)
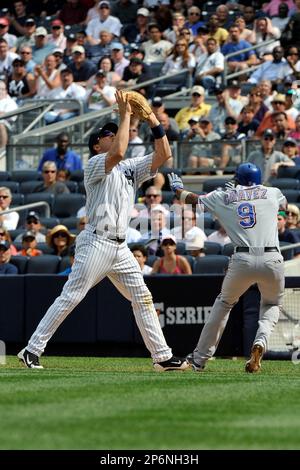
(85, 49)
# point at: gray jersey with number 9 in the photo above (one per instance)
(248, 214)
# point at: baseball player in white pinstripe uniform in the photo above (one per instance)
(101, 249)
(249, 214)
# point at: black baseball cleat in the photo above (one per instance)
(175, 363)
(193, 363)
(254, 363)
(29, 359)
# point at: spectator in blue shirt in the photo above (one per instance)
(64, 159)
(5, 266)
(240, 61)
(71, 254)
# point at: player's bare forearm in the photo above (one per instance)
(191, 198)
(162, 151)
(119, 146)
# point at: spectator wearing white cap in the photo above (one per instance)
(104, 21)
(117, 55)
(33, 224)
(82, 68)
(41, 47)
(197, 108)
(136, 32)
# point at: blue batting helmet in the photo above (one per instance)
(248, 174)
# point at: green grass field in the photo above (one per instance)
(100, 403)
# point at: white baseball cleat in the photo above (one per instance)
(30, 360)
(175, 363)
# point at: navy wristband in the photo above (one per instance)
(158, 131)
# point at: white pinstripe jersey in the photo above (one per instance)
(110, 197)
(248, 214)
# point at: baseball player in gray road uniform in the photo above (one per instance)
(249, 214)
(101, 249)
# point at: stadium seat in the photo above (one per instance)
(151, 260)
(20, 262)
(180, 248)
(12, 185)
(209, 231)
(70, 222)
(211, 264)
(72, 186)
(4, 176)
(49, 222)
(288, 172)
(67, 205)
(45, 248)
(228, 249)
(208, 221)
(81, 187)
(44, 264)
(17, 200)
(167, 197)
(25, 175)
(64, 264)
(40, 197)
(212, 248)
(190, 260)
(15, 233)
(28, 187)
(292, 195)
(77, 176)
(214, 183)
(172, 84)
(286, 183)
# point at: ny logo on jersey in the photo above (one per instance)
(129, 175)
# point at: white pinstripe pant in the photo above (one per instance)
(95, 259)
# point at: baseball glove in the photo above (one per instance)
(139, 105)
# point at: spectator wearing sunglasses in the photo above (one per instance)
(8, 221)
(5, 237)
(60, 239)
(293, 217)
(33, 224)
(50, 185)
(5, 254)
(170, 263)
(57, 37)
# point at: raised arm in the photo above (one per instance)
(176, 184)
(162, 151)
(120, 143)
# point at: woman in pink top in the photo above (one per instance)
(171, 263)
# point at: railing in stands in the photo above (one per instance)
(29, 206)
(227, 76)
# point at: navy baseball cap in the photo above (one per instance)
(5, 245)
(108, 129)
